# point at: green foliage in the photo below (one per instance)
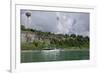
(51, 40)
(27, 46)
(23, 27)
(73, 35)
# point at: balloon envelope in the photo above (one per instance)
(28, 14)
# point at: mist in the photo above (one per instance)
(57, 22)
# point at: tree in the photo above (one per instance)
(23, 27)
(73, 35)
(86, 38)
(66, 35)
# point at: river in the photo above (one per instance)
(53, 55)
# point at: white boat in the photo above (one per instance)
(51, 50)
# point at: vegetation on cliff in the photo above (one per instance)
(51, 40)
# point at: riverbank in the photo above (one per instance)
(56, 49)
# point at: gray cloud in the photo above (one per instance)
(57, 22)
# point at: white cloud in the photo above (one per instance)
(57, 22)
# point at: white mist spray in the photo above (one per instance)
(65, 24)
(59, 24)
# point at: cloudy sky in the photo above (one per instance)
(57, 22)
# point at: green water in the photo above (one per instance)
(50, 55)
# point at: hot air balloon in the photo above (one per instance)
(28, 14)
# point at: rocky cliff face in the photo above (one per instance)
(28, 36)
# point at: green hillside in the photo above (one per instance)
(50, 40)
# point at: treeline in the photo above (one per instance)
(50, 40)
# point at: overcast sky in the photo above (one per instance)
(57, 22)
